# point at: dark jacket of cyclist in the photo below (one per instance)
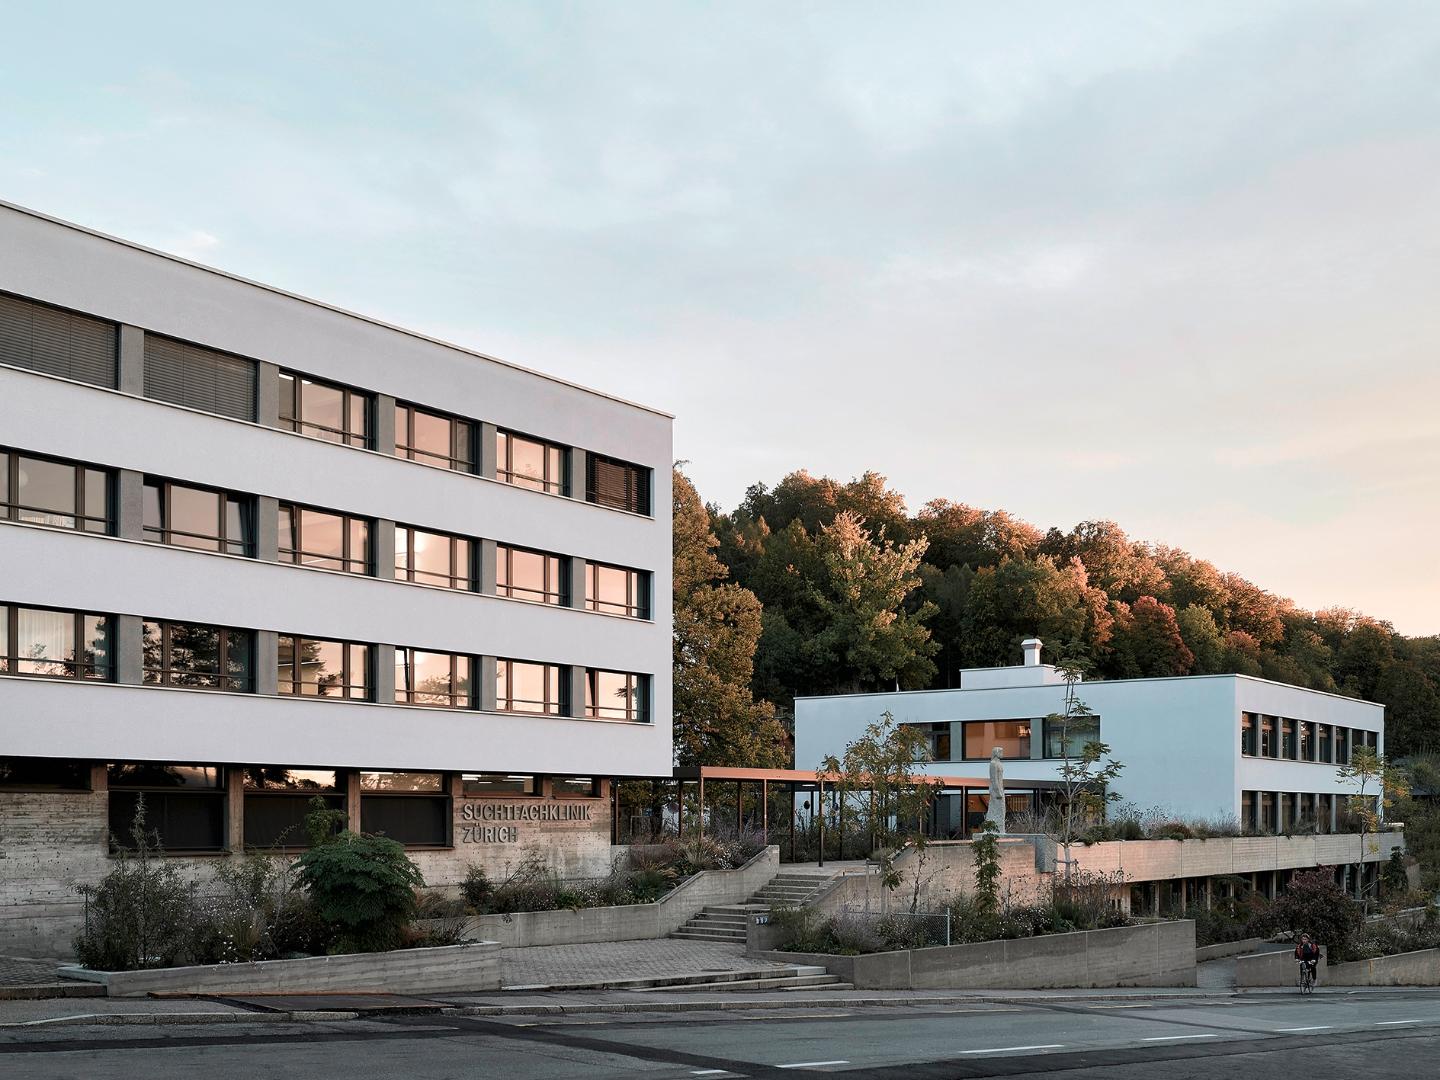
(1307, 951)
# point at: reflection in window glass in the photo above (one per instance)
(325, 540)
(531, 575)
(265, 778)
(193, 655)
(199, 518)
(431, 678)
(587, 786)
(336, 414)
(429, 558)
(60, 494)
(982, 736)
(434, 439)
(146, 774)
(498, 784)
(530, 463)
(616, 590)
(529, 688)
(615, 695)
(54, 644)
(1075, 733)
(402, 781)
(327, 669)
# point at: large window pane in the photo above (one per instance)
(321, 410)
(268, 778)
(498, 784)
(60, 494)
(615, 695)
(324, 540)
(44, 774)
(428, 558)
(329, 669)
(54, 644)
(431, 678)
(199, 656)
(531, 575)
(45, 642)
(198, 518)
(432, 438)
(530, 463)
(982, 736)
(1079, 731)
(528, 687)
(616, 590)
(413, 820)
(402, 781)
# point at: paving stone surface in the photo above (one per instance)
(611, 960)
(16, 971)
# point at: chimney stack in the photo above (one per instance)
(1031, 649)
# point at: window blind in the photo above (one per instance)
(199, 378)
(57, 342)
(618, 484)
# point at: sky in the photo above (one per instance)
(1166, 263)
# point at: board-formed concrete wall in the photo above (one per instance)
(455, 968)
(1278, 968)
(1420, 968)
(1151, 954)
(629, 922)
(946, 868)
(1162, 860)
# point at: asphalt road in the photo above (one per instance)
(1350, 1036)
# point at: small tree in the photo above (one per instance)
(1084, 780)
(1377, 785)
(884, 760)
(1313, 903)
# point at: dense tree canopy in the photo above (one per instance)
(857, 593)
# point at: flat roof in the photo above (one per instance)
(1092, 682)
(327, 307)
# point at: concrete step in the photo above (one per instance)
(708, 980)
(778, 981)
(709, 935)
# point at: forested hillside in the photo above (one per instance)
(857, 592)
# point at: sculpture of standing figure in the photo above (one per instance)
(995, 811)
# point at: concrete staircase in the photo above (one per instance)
(726, 922)
(791, 889)
(790, 977)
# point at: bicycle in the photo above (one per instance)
(1307, 976)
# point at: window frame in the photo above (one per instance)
(505, 463)
(462, 436)
(595, 788)
(637, 592)
(500, 793)
(504, 582)
(347, 684)
(11, 508)
(1029, 737)
(166, 530)
(224, 681)
(218, 793)
(83, 766)
(292, 556)
(441, 796)
(505, 668)
(405, 691)
(470, 580)
(349, 396)
(10, 659)
(638, 477)
(637, 708)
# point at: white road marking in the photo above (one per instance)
(1313, 1027)
(810, 1064)
(1392, 1023)
(711, 1072)
(1174, 1038)
(1007, 1049)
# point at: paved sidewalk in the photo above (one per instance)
(20, 971)
(609, 961)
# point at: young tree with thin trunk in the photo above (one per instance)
(1378, 785)
(1084, 780)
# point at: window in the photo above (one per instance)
(1081, 730)
(585, 786)
(1287, 739)
(184, 805)
(57, 342)
(434, 439)
(199, 518)
(410, 807)
(429, 558)
(617, 591)
(1306, 731)
(617, 484)
(62, 494)
(1267, 736)
(1325, 813)
(339, 670)
(432, 678)
(1267, 822)
(499, 784)
(1342, 746)
(44, 774)
(1326, 743)
(1248, 734)
(530, 463)
(1247, 811)
(531, 575)
(616, 695)
(937, 741)
(277, 801)
(982, 736)
(199, 378)
(321, 410)
(55, 644)
(323, 539)
(529, 688)
(205, 657)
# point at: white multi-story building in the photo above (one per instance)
(255, 548)
(1201, 747)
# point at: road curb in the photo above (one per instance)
(137, 1019)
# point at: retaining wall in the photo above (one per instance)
(1278, 968)
(473, 966)
(1405, 969)
(1227, 948)
(1152, 954)
(629, 922)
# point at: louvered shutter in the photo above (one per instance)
(617, 484)
(199, 378)
(57, 342)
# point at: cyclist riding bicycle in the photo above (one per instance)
(1307, 953)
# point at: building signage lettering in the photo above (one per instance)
(487, 811)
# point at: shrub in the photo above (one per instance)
(363, 890)
(140, 914)
(1393, 877)
(1314, 904)
(477, 889)
(801, 929)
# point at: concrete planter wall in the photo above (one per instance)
(1153, 954)
(1278, 968)
(629, 922)
(473, 966)
(1404, 969)
(1161, 860)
